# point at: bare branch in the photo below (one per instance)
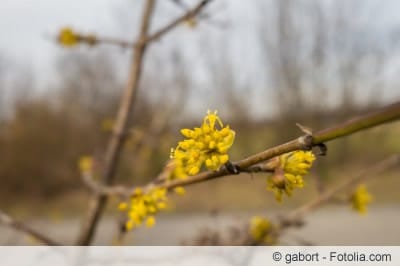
(19, 226)
(189, 14)
(98, 202)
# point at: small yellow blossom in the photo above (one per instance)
(206, 145)
(191, 22)
(360, 199)
(261, 230)
(107, 125)
(123, 206)
(289, 173)
(180, 191)
(142, 207)
(297, 163)
(67, 37)
(150, 222)
(85, 164)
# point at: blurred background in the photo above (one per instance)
(264, 65)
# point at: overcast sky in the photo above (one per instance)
(26, 25)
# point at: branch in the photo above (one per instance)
(98, 202)
(381, 116)
(249, 164)
(19, 226)
(92, 39)
(189, 14)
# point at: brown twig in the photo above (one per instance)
(189, 14)
(384, 115)
(98, 202)
(19, 226)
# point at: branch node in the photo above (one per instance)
(232, 168)
(306, 142)
(322, 149)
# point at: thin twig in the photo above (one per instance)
(189, 14)
(19, 226)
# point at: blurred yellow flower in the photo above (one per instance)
(180, 190)
(143, 206)
(150, 222)
(107, 125)
(360, 199)
(261, 229)
(67, 37)
(191, 22)
(85, 164)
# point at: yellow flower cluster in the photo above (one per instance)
(289, 173)
(360, 199)
(207, 145)
(191, 22)
(261, 230)
(85, 164)
(69, 38)
(143, 206)
(107, 125)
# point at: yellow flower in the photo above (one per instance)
(206, 145)
(360, 199)
(67, 37)
(150, 222)
(297, 163)
(143, 206)
(107, 125)
(261, 229)
(123, 206)
(180, 190)
(191, 22)
(289, 173)
(85, 164)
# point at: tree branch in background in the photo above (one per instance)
(10, 222)
(188, 15)
(98, 202)
(250, 164)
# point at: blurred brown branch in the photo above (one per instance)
(19, 226)
(189, 14)
(98, 201)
